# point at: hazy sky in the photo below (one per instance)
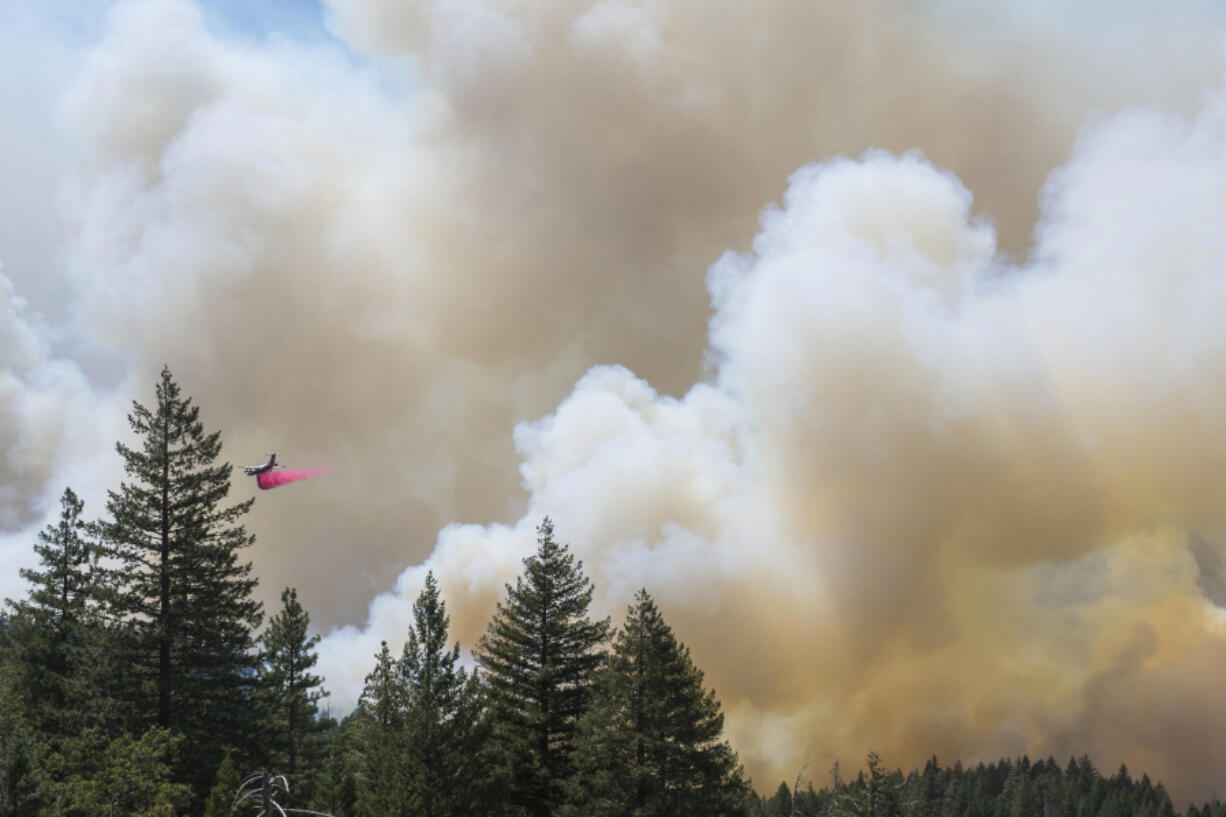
(881, 341)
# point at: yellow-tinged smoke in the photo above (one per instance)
(924, 498)
(928, 502)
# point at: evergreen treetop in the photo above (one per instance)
(289, 655)
(431, 670)
(651, 743)
(380, 719)
(443, 723)
(62, 590)
(184, 598)
(51, 626)
(539, 655)
(382, 700)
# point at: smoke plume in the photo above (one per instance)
(928, 500)
(430, 247)
(929, 464)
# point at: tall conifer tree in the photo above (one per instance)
(51, 626)
(380, 719)
(651, 745)
(876, 794)
(443, 718)
(184, 595)
(540, 654)
(289, 655)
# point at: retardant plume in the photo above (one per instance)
(275, 479)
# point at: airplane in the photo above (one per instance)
(271, 465)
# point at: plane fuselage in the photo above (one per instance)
(253, 470)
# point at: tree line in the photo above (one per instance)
(139, 677)
(1008, 788)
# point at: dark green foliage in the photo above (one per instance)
(293, 694)
(1003, 789)
(91, 776)
(443, 718)
(225, 786)
(805, 803)
(781, 804)
(877, 794)
(336, 791)
(422, 723)
(1213, 808)
(184, 597)
(540, 655)
(650, 745)
(380, 721)
(20, 750)
(49, 630)
(62, 589)
(928, 790)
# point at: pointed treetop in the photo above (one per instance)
(62, 589)
(652, 742)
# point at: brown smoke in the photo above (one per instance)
(928, 500)
(387, 281)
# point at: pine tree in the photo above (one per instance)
(1165, 807)
(225, 785)
(381, 714)
(50, 628)
(93, 775)
(183, 595)
(289, 655)
(780, 805)
(879, 794)
(21, 753)
(383, 693)
(930, 790)
(650, 745)
(540, 655)
(443, 727)
(337, 792)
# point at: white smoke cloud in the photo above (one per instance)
(381, 266)
(929, 500)
(51, 421)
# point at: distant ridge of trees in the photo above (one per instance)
(139, 677)
(1014, 787)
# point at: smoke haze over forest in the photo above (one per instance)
(881, 341)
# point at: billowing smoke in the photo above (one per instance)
(385, 265)
(946, 483)
(928, 501)
(50, 419)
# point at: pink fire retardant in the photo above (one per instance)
(273, 479)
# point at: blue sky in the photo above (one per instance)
(298, 19)
(41, 44)
(77, 23)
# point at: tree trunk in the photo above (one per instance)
(164, 611)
